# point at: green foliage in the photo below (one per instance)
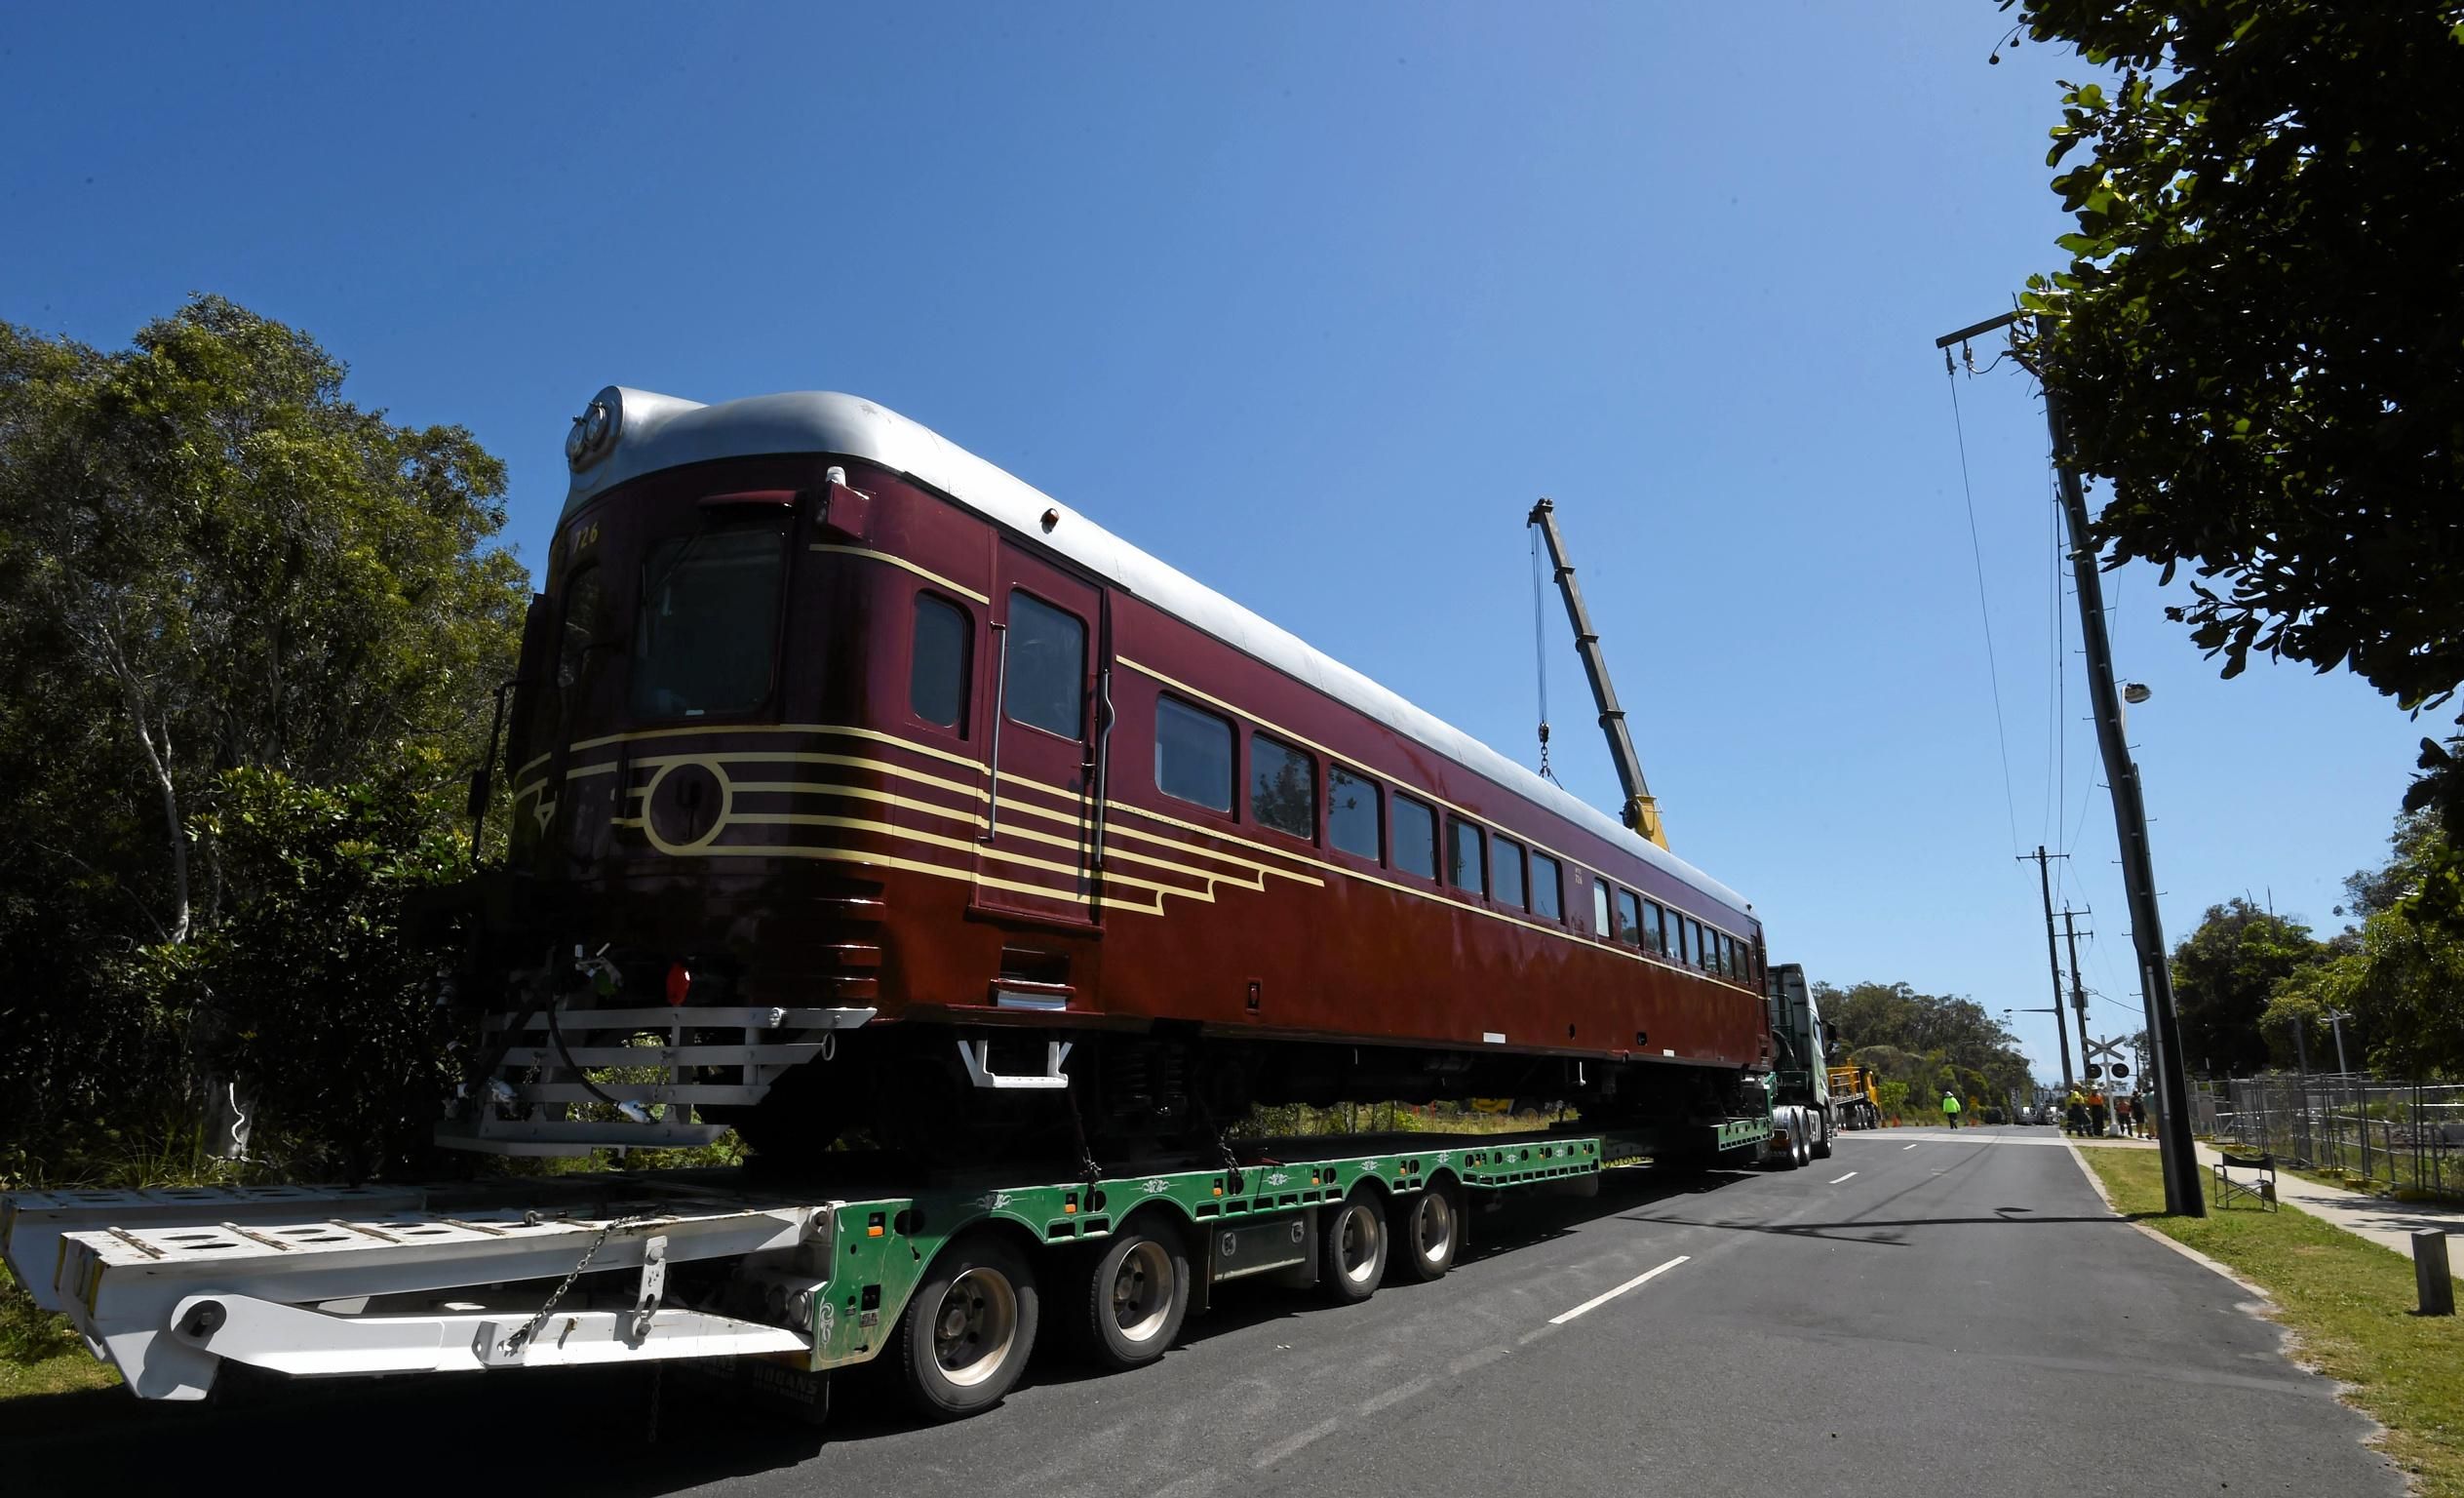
(212, 563)
(1925, 1042)
(2257, 337)
(2225, 974)
(305, 992)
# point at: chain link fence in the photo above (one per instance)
(2409, 1134)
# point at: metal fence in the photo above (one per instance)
(2408, 1134)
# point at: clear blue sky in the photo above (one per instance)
(1311, 301)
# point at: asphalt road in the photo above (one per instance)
(1922, 1313)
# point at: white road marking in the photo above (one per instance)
(1394, 1395)
(1283, 1448)
(1907, 1146)
(1598, 1301)
(1851, 1175)
(1469, 1360)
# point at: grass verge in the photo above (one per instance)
(39, 1353)
(2348, 1302)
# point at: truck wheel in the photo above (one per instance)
(966, 1333)
(1137, 1293)
(1427, 1231)
(1351, 1244)
(1821, 1136)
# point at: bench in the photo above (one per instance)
(2259, 1188)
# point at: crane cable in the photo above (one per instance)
(1539, 654)
(1976, 550)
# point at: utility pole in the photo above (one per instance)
(2183, 1193)
(2078, 990)
(2052, 957)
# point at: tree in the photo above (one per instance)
(2225, 975)
(2397, 976)
(2259, 339)
(210, 561)
(1925, 1041)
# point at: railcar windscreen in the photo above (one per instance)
(708, 624)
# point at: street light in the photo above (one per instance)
(2335, 1020)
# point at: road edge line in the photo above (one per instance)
(2224, 1270)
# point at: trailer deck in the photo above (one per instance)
(640, 1267)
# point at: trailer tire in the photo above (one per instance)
(1135, 1295)
(1352, 1248)
(968, 1330)
(1427, 1231)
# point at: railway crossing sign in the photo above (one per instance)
(2109, 1053)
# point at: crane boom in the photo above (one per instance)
(1641, 811)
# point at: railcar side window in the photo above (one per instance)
(1415, 837)
(1047, 665)
(1693, 935)
(1506, 871)
(1715, 950)
(708, 623)
(936, 672)
(1282, 788)
(1193, 755)
(1352, 822)
(1629, 919)
(1463, 865)
(1728, 955)
(1600, 927)
(1654, 942)
(1681, 931)
(1545, 887)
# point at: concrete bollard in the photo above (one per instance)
(2430, 1273)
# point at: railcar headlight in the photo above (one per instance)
(594, 431)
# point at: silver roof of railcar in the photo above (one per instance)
(652, 432)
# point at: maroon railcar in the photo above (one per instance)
(976, 817)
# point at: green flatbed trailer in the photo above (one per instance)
(950, 1278)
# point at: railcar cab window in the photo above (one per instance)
(1047, 673)
(585, 630)
(708, 624)
(936, 671)
(1193, 755)
(1547, 891)
(1282, 788)
(1600, 927)
(1462, 856)
(1655, 942)
(1506, 871)
(1415, 837)
(1353, 818)
(1629, 919)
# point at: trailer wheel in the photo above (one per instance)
(966, 1333)
(1427, 1230)
(1352, 1241)
(1137, 1291)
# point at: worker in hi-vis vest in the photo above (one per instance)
(1950, 1109)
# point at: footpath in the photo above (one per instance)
(2382, 1221)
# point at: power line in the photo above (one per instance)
(1976, 550)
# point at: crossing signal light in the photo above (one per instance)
(2095, 1071)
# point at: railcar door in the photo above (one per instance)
(1034, 855)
